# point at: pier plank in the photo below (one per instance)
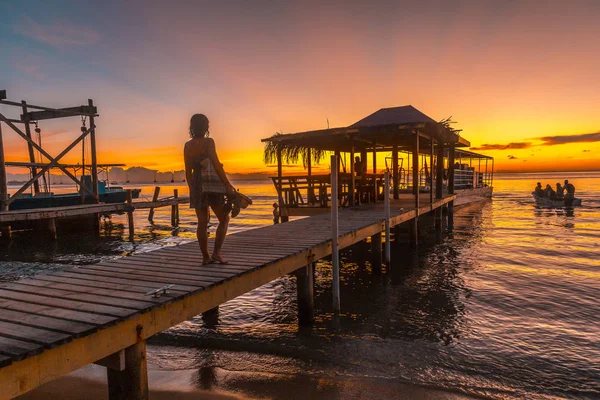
(26, 333)
(4, 361)
(211, 273)
(17, 349)
(93, 276)
(133, 289)
(67, 304)
(144, 273)
(62, 313)
(76, 329)
(83, 296)
(105, 292)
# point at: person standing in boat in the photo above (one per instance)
(570, 195)
(208, 186)
(560, 191)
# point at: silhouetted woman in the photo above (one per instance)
(201, 156)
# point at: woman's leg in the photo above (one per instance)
(223, 218)
(202, 233)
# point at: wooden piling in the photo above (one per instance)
(414, 235)
(305, 293)
(451, 187)
(130, 214)
(352, 186)
(376, 253)
(395, 175)
(36, 183)
(154, 200)
(386, 197)
(175, 210)
(439, 188)
(94, 166)
(52, 228)
(132, 382)
(5, 231)
(335, 254)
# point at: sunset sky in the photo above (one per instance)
(522, 79)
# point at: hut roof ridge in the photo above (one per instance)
(399, 115)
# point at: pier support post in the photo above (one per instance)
(130, 214)
(211, 318)
(376, 253)
(175, 210)
(305, 294)
(388, 216)
(438, 223)
(451, 187)
(154, 200)
(335, 253)
(413, 232)
(132, 382)
(52, 228)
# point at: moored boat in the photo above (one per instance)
(558, 203)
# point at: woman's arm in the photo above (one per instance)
(212, 152)
(188, 165)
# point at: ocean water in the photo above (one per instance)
(507, 306)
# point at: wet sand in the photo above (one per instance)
(89, 383)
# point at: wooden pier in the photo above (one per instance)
(56, 323)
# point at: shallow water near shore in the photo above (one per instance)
(504, 307)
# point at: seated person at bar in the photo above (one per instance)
(538, 190)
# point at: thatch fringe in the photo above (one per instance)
(290, 154)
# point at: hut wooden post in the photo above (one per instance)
(132, 382)
(335, 254)
(363, 163)
(375, 190)
(130, 214)
(94, 166)
(337, 178)
(36, 183)
(175, 209)
(305, 285)
(351, 188)
(439, 187)
(388, 240)
(154, 200)
(431, 173)
(282, 212)
(414, 232)
(395, 176)
(451, 187)
(311, 192)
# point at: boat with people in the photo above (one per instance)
(548, 197)
(554, 203)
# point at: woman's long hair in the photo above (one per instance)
(199, 126)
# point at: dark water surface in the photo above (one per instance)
(507, 306)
